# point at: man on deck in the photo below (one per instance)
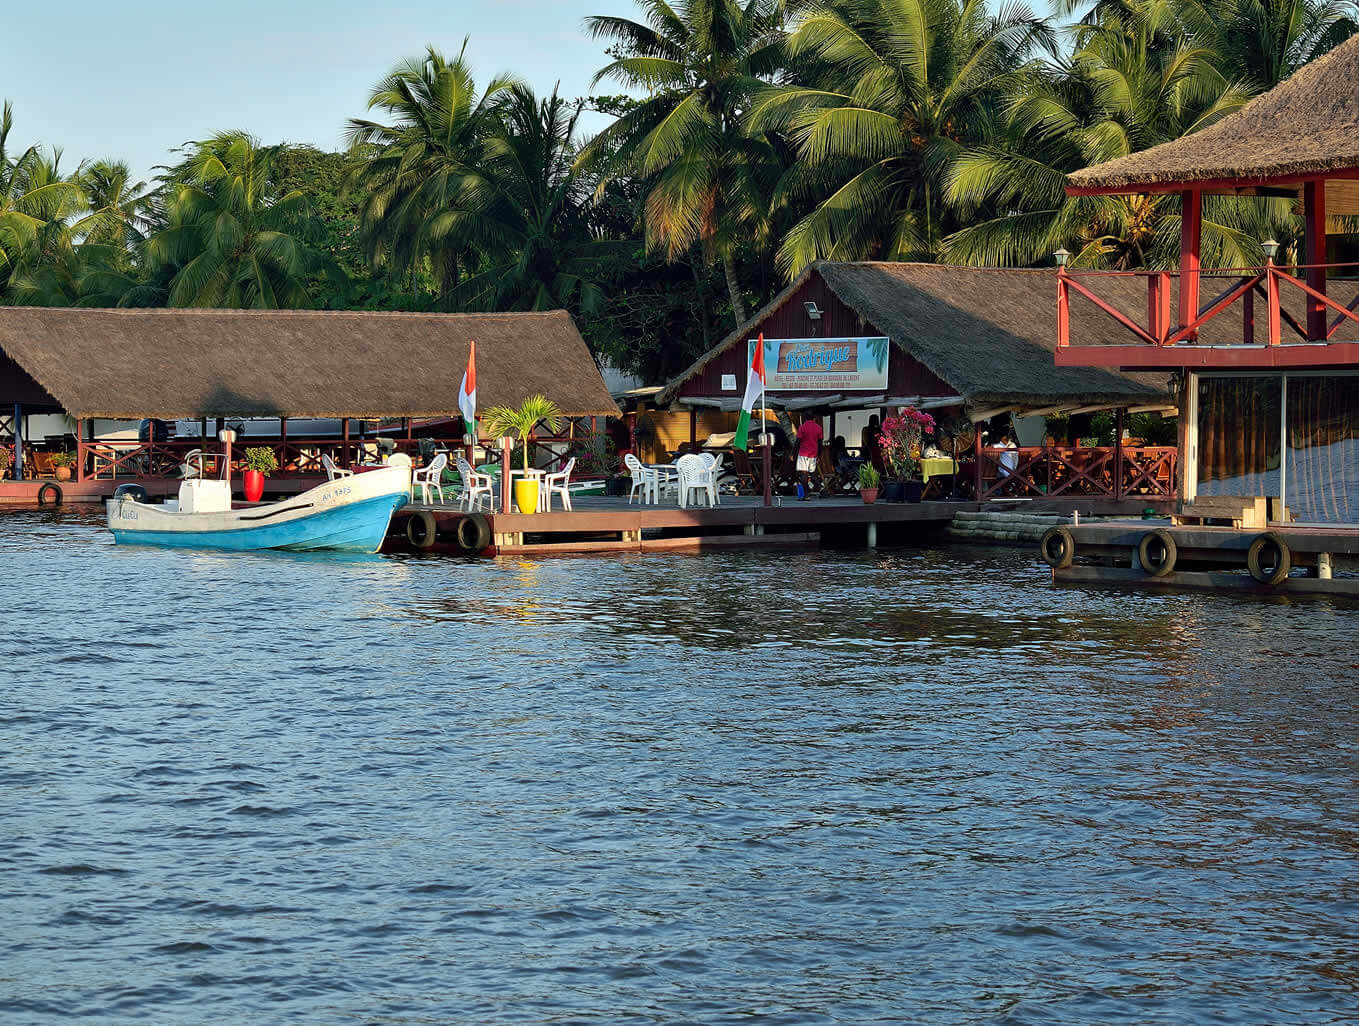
(808, 450)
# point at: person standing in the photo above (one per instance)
(808, 451)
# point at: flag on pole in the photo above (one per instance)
(754, 390)
(467, 394)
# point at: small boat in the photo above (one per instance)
(348, 514)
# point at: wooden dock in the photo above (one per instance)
(612, 524)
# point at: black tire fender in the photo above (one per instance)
(474, 533)
(1258, 549)
(421, 529)
(50, 494)
(1156, 552)
(1057, 548)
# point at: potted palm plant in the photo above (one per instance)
(869, 480)
(62, 462)
(520, 422)
(260, 462)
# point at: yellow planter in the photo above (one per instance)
(526, 496)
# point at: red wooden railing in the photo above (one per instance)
(1105, 471)
(1233, 287)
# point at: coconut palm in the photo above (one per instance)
(232, 237)
(118, 206)
(701, 61)
(1123, 90)
(425, 196)
(548, 258)
(521, 421)
(36, 203)
(890, 92)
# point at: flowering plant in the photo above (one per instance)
(900, 441)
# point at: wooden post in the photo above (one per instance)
(80, 449)
(1118, 454)
(410, 427)
(344, 456)
(1272, 292)
(1063, 310)
(18, 441)
(767, 462)
(1158, 305)
(506, 452)
(977, 456)
(1314, 247)
(693, 426)
(1191, 234)
(283, 442)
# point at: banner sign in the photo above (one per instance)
(824, 364)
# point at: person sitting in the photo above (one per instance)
(1008, 461)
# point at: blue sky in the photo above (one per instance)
(131, 81)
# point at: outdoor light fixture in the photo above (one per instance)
(1061, 256)
(1271, 249)
(813, 313)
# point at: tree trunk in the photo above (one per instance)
(704, 314)
(738, 305)
(448, 282)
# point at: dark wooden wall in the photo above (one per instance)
(905, 375)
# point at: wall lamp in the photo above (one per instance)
(813, 312)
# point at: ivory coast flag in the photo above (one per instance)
(467, 394)
(754, 386)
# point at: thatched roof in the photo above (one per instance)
(128, 364)
(1306, 126)
(989, 333)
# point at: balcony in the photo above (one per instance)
(1267, 317)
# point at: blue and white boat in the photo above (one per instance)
(349, 514)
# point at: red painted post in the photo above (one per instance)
(767, 463)
(1272, 290)
(1158, 305)
(506, 453)
(344, 456)
(1191, 234)
(80, 449)
(1118, 454)
(283, 443)
(1063, 310)
(1314, 245)
(977, 457)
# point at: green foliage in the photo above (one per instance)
(63, 459)
(869, 476)
(520, 421)
(1153, 428)
(261, 458)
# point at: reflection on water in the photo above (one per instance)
(784, 788)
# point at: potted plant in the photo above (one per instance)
(869, 480)
(6, 461)
(62, 462)
(506, 420)
(260, 462)
(901, 441)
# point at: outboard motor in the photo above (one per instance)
(133, 492)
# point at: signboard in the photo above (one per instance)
(824, 364)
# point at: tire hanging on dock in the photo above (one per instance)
(474, 533)
(1268, 573)
(50, 494)
(1057, 547)
(1156, 552)
(422, 529)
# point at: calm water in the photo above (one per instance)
(921, 786)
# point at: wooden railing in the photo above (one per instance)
(1237, 289)
(1104, 471)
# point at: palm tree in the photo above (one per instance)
(232, 238)
(1262, 42)
(425, 194)
(701, 62)
(549, 258)
(507, 420)
(1124, 89)
(889, 93)
(118, 206)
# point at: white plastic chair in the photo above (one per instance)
(643, 478)
(430, 479)
(714, 463)
(560, 483)
(695, 476)
(474, 486)
(332, 471)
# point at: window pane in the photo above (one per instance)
(1323, 449)
(1239, 444)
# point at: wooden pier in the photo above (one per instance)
(612, 524)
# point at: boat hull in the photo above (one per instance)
(350, 514)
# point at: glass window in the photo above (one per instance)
(1239, 436)
(1323, 449)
